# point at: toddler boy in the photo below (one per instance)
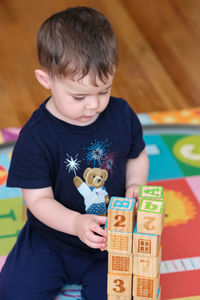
(79, 148)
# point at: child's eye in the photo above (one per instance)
(78, 98)
(104, 93)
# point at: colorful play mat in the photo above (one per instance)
(173, 145)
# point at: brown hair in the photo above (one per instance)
(76, 42)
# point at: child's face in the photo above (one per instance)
(78, 102)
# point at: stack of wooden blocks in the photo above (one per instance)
(134, 248)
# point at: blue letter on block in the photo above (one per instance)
(121, 204)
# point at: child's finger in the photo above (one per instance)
(96, 245)
(100, 219)
(97, 229)
(129, 193)
(96, 238)
(95, 241)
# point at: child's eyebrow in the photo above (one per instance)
(107, 87)
(86, 94)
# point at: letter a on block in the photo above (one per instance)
(120, 214)
(151, 192)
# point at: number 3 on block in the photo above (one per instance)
(119, 286)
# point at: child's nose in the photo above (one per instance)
(93, 103)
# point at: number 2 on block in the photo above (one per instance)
(149, 224)
(120, 221)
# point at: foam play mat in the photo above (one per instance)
(173, 145)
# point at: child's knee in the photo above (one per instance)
(13, 286)
(6, 289)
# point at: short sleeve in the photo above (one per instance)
(29, 166)
(137, 141)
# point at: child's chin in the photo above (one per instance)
(88, 119)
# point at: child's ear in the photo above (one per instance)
(43, 78)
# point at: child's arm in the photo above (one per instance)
(45, 208)
(136, 174)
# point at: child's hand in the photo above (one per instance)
(87, 226)
(133, 192)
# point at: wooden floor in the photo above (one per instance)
(159, 42)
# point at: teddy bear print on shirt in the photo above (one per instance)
(93, 190)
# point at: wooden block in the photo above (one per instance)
(121, 214)
(119, 242)
(145, 244)
(159, 293)
(120, 263)
(150, 217)
(147, 266)
(145, 287)
(106, 229)
(115, 297)
(119, 285)
(151, 192)
(158, 297)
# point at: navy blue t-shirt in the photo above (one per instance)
(84, 165)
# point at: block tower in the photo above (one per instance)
(119, 246)
(134, 249)
(147, 248)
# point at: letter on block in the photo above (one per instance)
(119, 242)
(147, 266)
(119, 285)
(145, 244)
(150, 218)
(120, 214)
(145, 287)
(120, 263)
(151, 192)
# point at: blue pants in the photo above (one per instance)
(35, 271)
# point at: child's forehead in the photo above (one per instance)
(86, 84)
(88, 81)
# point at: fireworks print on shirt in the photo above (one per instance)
(108, 162)
(98, 155)
(72, 164)
(96, 152)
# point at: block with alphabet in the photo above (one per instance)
(158, 297)
(145, 244)
(120, 242)
(119, 285)
(147, 266)
(121, 214)
(120, 263)
(150, 192)
(145, 287)
(150, 217)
